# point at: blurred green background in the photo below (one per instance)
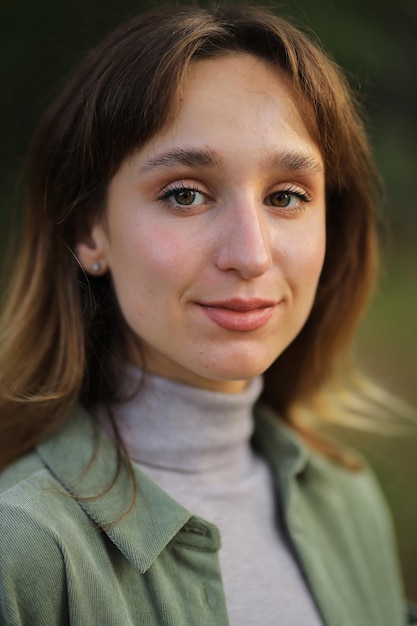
(376, 42)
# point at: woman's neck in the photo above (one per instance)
(182, 428)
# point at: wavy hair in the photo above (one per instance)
(59, 326)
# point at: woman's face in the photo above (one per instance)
(215, 231)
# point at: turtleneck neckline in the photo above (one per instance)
(180, 428)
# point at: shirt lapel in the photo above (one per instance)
(85, 461)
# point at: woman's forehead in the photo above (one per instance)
(234, 98)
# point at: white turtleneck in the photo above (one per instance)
(195, 444)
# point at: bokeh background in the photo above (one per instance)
(376, 42)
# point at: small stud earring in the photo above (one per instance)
(96, 267)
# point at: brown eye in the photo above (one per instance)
(290, 200)
(184, 196)
(281, 199)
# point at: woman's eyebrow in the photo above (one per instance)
(181, 156)
(292, 161)
(295, 162)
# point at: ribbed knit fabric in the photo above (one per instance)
(195, 444)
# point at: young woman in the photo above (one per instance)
(200, 213)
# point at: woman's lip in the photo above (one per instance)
(241, 304)
(240, 315)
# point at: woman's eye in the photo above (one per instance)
(286, 199)
(184, 196)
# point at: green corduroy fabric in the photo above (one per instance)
(66, 560)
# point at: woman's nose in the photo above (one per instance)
(244, 243)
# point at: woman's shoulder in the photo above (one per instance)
(328, 472)
(339, 524)
(36, 502)
(48, 542)
(25, 485)
(33, 505)
(31, 559)
(16, 474)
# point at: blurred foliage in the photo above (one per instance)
(376, 42)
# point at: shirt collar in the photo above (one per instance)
(285, 452)
(84, 460)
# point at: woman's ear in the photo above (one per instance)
(91, 251)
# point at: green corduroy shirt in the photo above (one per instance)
(65, 559)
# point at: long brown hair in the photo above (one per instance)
(59, 326)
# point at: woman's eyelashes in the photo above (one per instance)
(289, 199)
(183, 197)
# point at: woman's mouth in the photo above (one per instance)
(238, 314)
